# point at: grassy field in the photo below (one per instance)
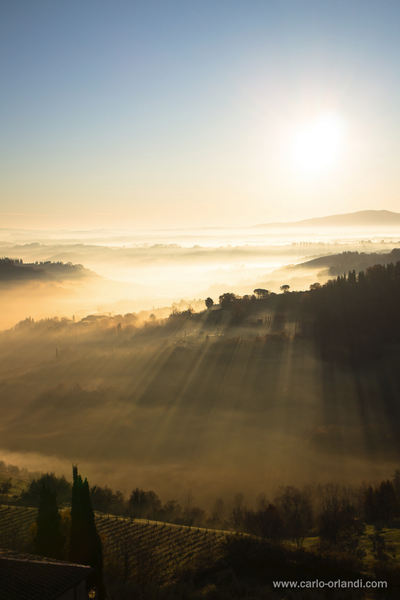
(390, 532)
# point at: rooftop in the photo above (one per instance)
(30, 577)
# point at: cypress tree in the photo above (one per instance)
(85, 544)
(49, 540)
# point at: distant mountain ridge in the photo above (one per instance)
(362, 218)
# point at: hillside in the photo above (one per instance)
(337, 264)
(152, 560)
(237, 389)
(14, 270)
(363, 218)
(157, 551)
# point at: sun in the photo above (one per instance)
(318, 145)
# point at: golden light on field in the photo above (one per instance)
(318, 145)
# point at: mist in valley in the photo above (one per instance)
(200, 291)
(148, 388)
(121, 271)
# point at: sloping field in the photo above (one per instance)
(152, 550)
(15, 522)
(142, 549)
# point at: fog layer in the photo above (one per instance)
(154, 269)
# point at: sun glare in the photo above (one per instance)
(318, 145)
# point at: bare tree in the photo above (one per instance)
(296, 510)
(236, 515)
(218, 514)
(338, 515)
(262, 501)
(266, 524)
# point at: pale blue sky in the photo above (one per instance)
(172, 113)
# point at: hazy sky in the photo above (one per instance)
(188, 113)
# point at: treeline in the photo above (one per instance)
(101, 322)
(140, 505)
(14, 269)
(351, 319)
(355, 315)
(331, 511)
(336, 514)
(10, 262)
(337, 264)
(17, 473)
(346, 261)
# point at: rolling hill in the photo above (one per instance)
(363, 218)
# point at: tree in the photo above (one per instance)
(144, 504)
(380, 502)
(49, 541)
(85, 544)
(331, 515)
(338, 516)
(5, 487)
(218, 514)
(285, 288)
(265, 523)
(172, 509)
(396, 485)
(226, 300)
(209, 302)
(261, 293)
(104, 499)
(262, 501)
(60, 485)
(236, 515)
(296, 510)
(193, 516)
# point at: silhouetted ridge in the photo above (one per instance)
(363, 218)
(15, 270)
